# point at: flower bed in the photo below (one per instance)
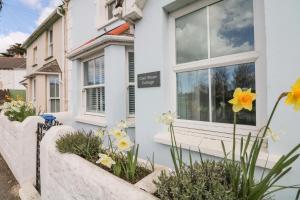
(72, 177)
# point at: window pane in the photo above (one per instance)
(101, 99)
(224, 82)
(91, 100)
(110, 8)
(191, 37)
(193, 95)
(54, 105)
(89, 73)
(54, 86)
(231, 27)
(99, 70)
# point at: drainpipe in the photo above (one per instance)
(63, 77)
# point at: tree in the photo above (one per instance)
(1, 4)
(15, 50)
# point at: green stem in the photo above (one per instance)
(233, 141)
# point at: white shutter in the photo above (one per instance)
(91, 100)
(131, 67)
(131, 93)
(131, 87)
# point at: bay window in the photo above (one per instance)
(94, 85)
(213, 45)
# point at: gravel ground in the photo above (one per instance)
(9, 187)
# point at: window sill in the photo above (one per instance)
(213, 147)
(92, 120)
(109, 22)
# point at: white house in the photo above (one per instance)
(12, 72)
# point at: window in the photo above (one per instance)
(131, 84)
(94, 85)
(214, 54)
(33, 90)
(54, 94)
(50, 43)
(110, 5)
(34, 57)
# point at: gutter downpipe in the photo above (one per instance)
(64, 76)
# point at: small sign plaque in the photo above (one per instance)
(148, 80)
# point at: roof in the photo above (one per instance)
(11, 63)
(47, 23)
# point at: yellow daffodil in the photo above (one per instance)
(242, 100)
(105, 160)
(124, 144)
(167, 118)
(293, 97)
(118, 133)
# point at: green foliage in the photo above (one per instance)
(18, 110)
(18, 94)
(206, 181)
(83, 144)
(89, 145)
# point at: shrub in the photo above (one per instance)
(205, 181)
(18, 110)
(85, 145)
(114, 152)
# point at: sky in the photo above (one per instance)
(19, 18)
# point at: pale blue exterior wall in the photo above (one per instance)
(282, 45)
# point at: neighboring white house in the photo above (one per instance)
(12, 72)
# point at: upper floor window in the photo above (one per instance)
(110, 5)
(213, 55)
(220, 29)
(34, 55)
(50, 43)
(94, 85)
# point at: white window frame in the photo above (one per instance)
(257, 56)
(50, 43)
(34, 55)
(83, 88)
(129, 83)
(34, 90)
(49, 92)
(107, 3)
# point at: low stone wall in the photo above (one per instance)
(18, 147)
(67, 176)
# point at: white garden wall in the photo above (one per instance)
(67, 176)
(18, 147)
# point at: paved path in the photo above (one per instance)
(9, 187)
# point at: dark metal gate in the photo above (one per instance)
(42, 128)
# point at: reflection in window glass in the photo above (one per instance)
(191, 37)
(231, 27)
(193, 95)
(224, 81)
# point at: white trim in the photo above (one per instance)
(257, 56)
(213, 147)
(92, 119)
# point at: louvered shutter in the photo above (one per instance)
(131, 87)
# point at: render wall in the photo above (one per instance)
(282, 45)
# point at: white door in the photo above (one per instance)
(54, 99)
